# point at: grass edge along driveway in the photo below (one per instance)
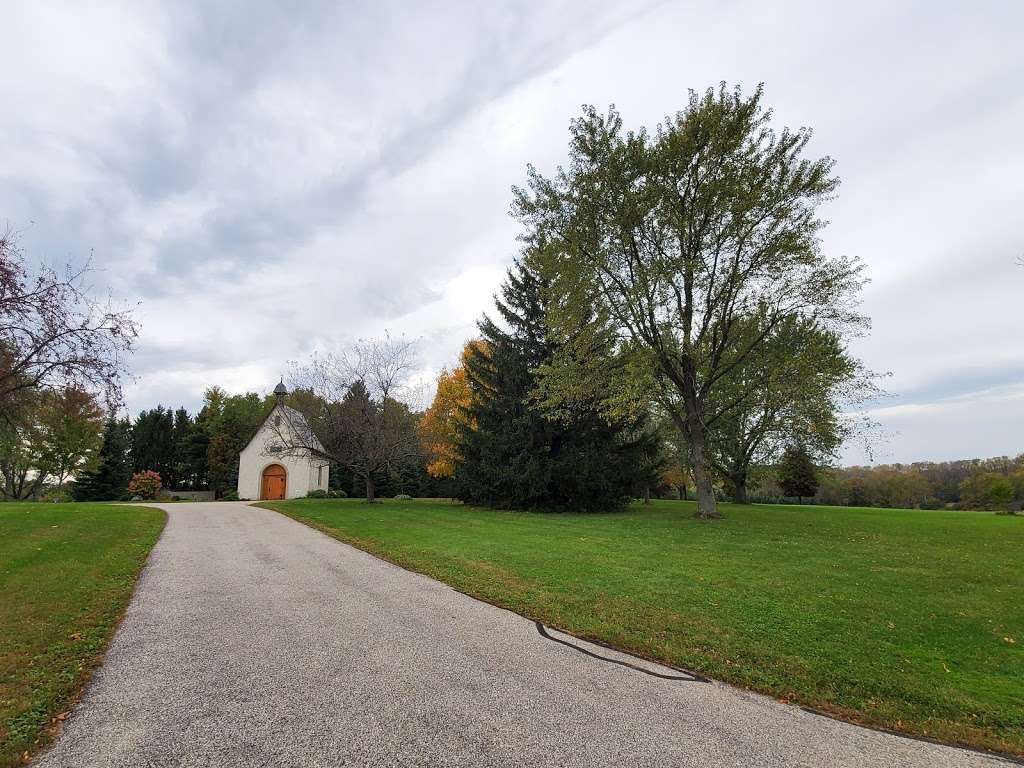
(907, 620)
(67, 573)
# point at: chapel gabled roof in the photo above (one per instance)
(295, 419)
(300, 425)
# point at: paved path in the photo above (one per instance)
(253, 640)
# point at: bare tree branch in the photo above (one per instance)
(54, 333)
(356, 413)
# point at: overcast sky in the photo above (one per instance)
(267, 182)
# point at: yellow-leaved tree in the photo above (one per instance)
(446, 417)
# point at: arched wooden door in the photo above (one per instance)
(275, 480)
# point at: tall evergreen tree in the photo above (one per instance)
(109, 480)
(222, 461)
(189, 444)
(193, 449)
(797, 473)
(517, 455)
(152, 443)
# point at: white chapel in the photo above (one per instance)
(267, 471)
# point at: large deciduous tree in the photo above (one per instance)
(223, 426)
(54, 333)
(21, 451)
(355, 412)
(792, 389)
(677, 237)
(71, 432)
(55, 435)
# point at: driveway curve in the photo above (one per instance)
(253, 640)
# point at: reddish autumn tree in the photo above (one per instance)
(145, 485)
(55, 333)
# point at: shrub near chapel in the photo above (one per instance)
(145, 484)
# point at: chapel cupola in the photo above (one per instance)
(280, 391)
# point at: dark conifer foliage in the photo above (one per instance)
(797, 474)
(152, 443)
(514, 455)
(172, 444)
(190, 446)
(109, 480)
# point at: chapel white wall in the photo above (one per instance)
(302, 471)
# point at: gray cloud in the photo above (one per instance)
(270, 179)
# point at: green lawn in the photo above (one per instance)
(66, 574)
(909, 620)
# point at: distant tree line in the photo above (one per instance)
(995, 483)
(518, 458)
(188, 452)
(990, 484)
(201, 452)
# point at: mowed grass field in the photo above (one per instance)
(902, 619)
(66, 575)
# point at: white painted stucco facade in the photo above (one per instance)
(304, 473)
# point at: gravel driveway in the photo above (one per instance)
(253, 640)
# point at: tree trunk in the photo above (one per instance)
(706, 506)
(370, 489)
(739, 484)
(647, 494)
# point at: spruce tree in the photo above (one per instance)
(108, 481)
(514, 455)
(797, 473)
(152, 443)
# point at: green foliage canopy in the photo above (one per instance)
(680, 237)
